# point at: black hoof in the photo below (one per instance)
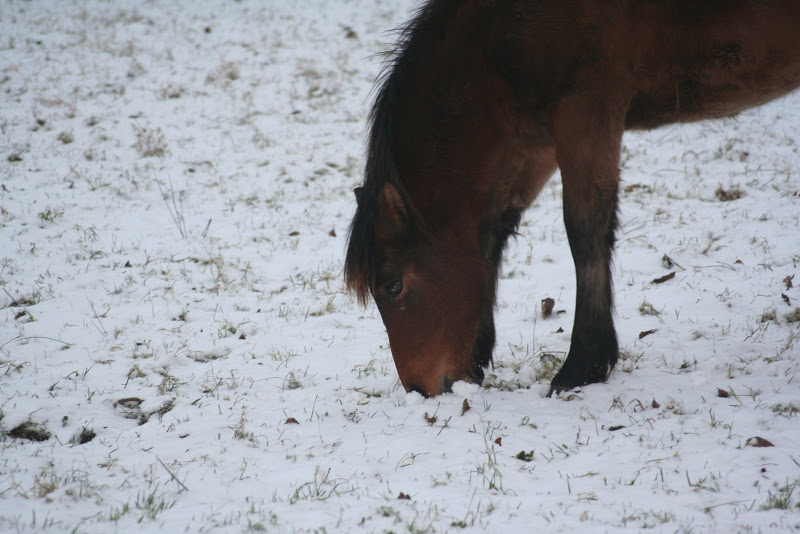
(568, 379)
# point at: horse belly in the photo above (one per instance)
(711, 60)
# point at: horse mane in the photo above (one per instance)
(381, 166)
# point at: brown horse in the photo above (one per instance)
(480, 103)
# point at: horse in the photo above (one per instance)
(477, 106)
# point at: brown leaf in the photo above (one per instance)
(655, 404)
(560, 330)
(722, 393)
(547, 307)
(499, 441)
(786, 299)
(664, 278)
(404, 496)
(788, 281)
(294, 233)
(292, 421)
(430, 419)
(757, 441)
(332, 233)
(465, 407)
(647, 333)
(614, 428)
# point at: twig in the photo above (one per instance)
(176, 209)
(181, 484)
(20, 338)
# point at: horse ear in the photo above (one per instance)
(359, 193)
(393, 214)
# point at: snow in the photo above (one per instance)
(175, 189)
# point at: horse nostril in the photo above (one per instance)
(418, 389)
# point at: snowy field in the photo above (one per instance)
(177, 353)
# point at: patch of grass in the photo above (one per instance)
(151, 504)
(550, 363)
(629, 361)
(149, 142)
(45, 482)
(786, 409)
(727, 195)
(783, 498)
(321, 488)
(793, 316)
(66, 137)
(50, 214)
(647, 309)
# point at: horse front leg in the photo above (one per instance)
(587, 149)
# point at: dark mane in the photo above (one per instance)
(381, 166)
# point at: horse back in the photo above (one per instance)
(664, 61)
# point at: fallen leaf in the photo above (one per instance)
(647, 333)
(292, 421)
(499, 441)
(614, 428)
(722, 393)
(547, 307)
(664, 278)
(786, 299)
(404, 496)
(757, 441)
(788, 281)
(465, 407)
(430, 419)
(655, 404)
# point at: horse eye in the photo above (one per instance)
(394, 289)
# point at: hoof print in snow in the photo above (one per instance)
(207, 356)
(758, 441)
(84, 436)
(30, 431)
(131, 408)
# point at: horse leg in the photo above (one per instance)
(588, 138)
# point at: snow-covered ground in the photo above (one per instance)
(175, 189)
